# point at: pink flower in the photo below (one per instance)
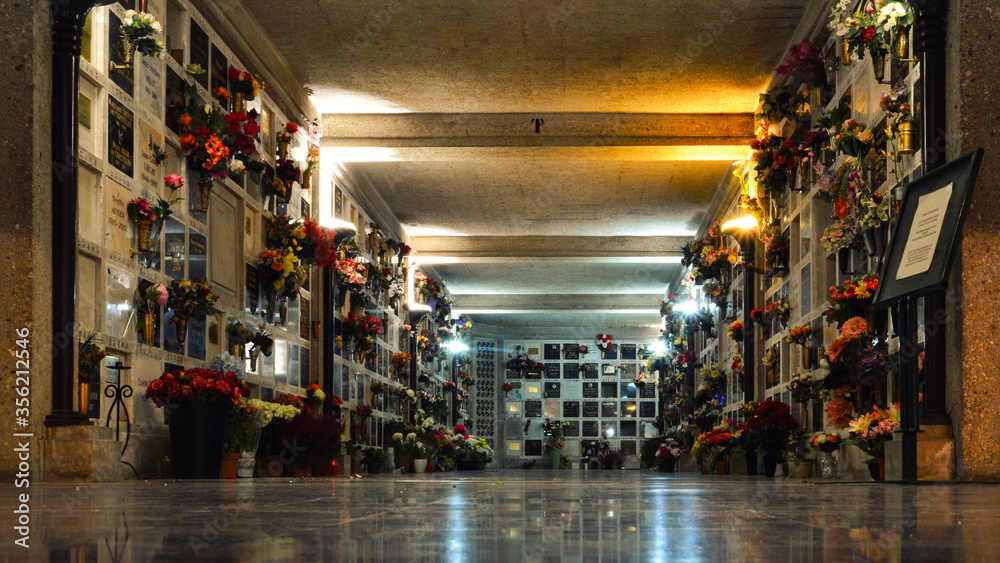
(163, 294)
(174, 181)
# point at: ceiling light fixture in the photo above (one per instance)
(457, 346)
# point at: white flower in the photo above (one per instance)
(130, 13)
(157, 28)
(397, 437)
(208, 109)
(127, 22)
(411, 394)
(411, 437)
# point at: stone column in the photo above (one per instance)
(978, 298)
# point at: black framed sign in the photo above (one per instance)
(551, 352)
(552, 371)
(532, 409)
(628, 351)
(572, 351)
(572, 429)
(553, 390)
(571, 409)
(591, 409)
(922, 249)
(647, 409)
(571, 371)
(590, 428)
(590, 390)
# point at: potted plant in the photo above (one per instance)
(272, 416)
(472, 453)
(138, 33)
(197, 403)
(612, 459)
(772, 424)
(871, 431)
(373, 458)
(667, 454)
(555, 440)
(187, 298)
(799, 451)
(242, 434)
(827, 443)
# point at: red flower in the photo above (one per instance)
(314, 386)
(202, 131)
(244, 144)
(459, 429)
(187, 139)
(198, 383)
(234, 74)
(291, 127)
(173, 389)
(251, 128)
(155, 388)
(867, 34)
(187, 393)
(223, 387)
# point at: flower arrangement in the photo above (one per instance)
(720, 442)
(243, 427)
(801, 335)
(851, 299)
(237, 332)
(611, 459)
(242, 82)
(771, 357)
(139, 209)
(778, 104)
(669, 450)
(553, 429)
(280, 272)
(90, 356)
(839, 408)
(364, 411)
(826, 442)
(841, 234)
(196, 385)
(361, 326)
(149, 301)
(871, 431)
(801, 387)
(864, 31)
(757, 315)
(873, 210)
(350, 275)
(771, 425)
(400, 360)
(805, 63)
(191, 297)
(854, 357)
(780, 310)
(471, 448)
(777, 249)
(205, 138)
(853, 138)
(285, 135)
(735, 331)
(263, 341)
(737, 365)
(141, 29)
(287, 172)
(373, 455)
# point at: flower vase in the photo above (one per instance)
(245, 465)
(254, 354)
(555, 458)
(878, 65)
(669, 465)
(239, 103)
(283, 311)
(721, 467)
(845, 53)
(844, 260)
(420, 466)
(807, 357)
(143, 228)
(197, 436)
(374, 468)
(147, 323)
(803, 470)
(903, 43)
(236, 350)
(804, 416)
(181, 328)
(751, 457)
(881, 468)
(84, 397)
(205, 187)
(770, 464)
(828, 466)
(403, 466)
(270, 308)
(230, 465)
(907, 137)
(283, 149)
(341, 298)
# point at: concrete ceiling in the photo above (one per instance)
(548, 158)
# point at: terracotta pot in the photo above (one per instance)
(403, 466)
(299, 469)
(721, 467)
(230, 464)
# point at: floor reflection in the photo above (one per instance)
(511, 516)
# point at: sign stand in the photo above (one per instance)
(917, 262)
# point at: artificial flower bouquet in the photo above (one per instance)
(191, 297)
(871, 431)
(826, 441)
(851, 299)
(771, 424)
(196, 385)
(801, 335)
(141, 29)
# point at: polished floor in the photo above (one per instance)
(513, 515)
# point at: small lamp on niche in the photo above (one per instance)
(743, 231)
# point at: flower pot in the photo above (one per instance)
(283, 149)
(807, 357)
(907, 137)
(270, 466)
(721, 467)
(403, 466)
(147, 324)
(770, 464)
(245, 465)
(803, 469)
(420, 466)
(299, 469)
(873, 473)
(870, 243)
(845, 53)
(84, 397)
(555, 458)
(230, 465)
(751, 457)
(236, 350)
(669, 465)
(197, 435)
(143, 228)
(844, 260)
(180, 328)
(878, 65)
(374, 468)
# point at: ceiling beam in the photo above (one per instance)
(532, 303)
(399, 130)
(614, 249)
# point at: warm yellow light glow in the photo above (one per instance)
(702, 152)
(360, 154)
(743, 223)
(532, 389)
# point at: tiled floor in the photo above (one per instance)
(509, 516)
